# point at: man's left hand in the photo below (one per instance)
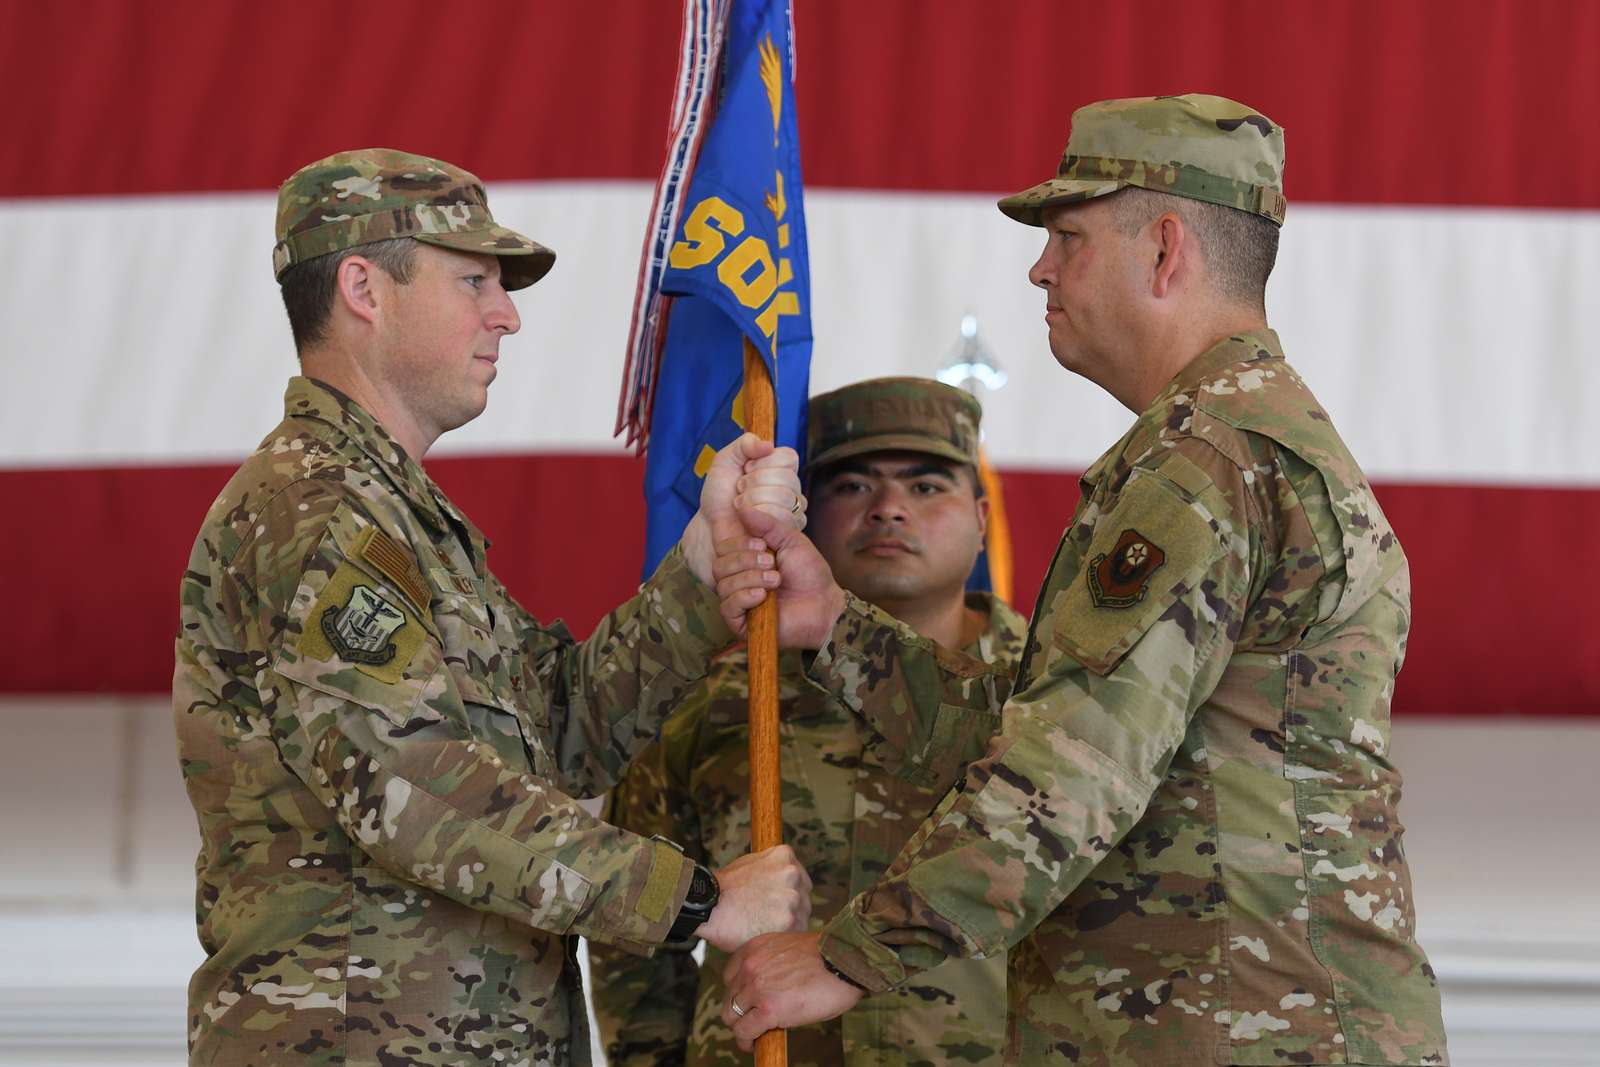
(779, 981)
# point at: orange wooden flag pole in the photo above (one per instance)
(761, 634)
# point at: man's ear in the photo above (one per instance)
(356, 287)
(983, 515)
(1172, 241)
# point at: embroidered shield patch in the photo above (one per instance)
(361, 631)
(1120, 578)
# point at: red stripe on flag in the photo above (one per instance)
(1423, 102)
(1503, 622)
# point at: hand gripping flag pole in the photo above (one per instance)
(725, 270)
(761, 635)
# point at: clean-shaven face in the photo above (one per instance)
(441, 336)
(1088, 275)
(899, 528)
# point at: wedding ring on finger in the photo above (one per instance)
(738, 1012)
(794, 509)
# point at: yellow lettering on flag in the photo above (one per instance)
(785, 303)
(702, 462)
(748, 272)
(751, 292)
(703, 233)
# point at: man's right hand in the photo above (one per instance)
(748, 474)
(761, 893)
(809, 600)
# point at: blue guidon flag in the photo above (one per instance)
(724, 259)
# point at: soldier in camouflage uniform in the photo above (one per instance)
(1186, 831)
(896, 508)
(381, 745)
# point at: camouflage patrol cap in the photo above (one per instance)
(1202, 147)
(893, 414)
(372, 194)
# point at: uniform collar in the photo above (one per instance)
(1168, 406)
(1006, 628)
(310, 399)
(1238, 349)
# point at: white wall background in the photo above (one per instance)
(97, 843)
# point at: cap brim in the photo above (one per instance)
(1027, 205)
(523, 260)
(887, 442)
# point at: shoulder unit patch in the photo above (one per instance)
(1120, 578)
(358, 621)
(360, 631)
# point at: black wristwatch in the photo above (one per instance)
(698, 904)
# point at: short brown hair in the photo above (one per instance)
(1240, 249)
(308, 287)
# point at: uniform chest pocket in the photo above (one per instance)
(486, 678)
(960, 736)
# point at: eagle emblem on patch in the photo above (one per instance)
(361, 630)
(1121, 577)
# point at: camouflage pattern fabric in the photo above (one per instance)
(382, 749)
(1203, 147)
(846, 817)
(374, 194)
(1186, 830)
(890, 415)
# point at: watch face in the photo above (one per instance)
(701, 886)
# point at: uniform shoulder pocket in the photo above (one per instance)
(1149, 549)
(354, 628)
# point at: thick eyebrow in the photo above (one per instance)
(937, 470)
(871, 470)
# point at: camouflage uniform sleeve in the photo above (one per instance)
(607, 695)
(1082, 747)
(935, 716)
(645, 1006)
(383, 740)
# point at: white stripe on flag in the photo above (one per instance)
(1449, 345)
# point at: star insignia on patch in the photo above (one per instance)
(1120, 578)
(362, 630)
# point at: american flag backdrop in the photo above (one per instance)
(1437, 285)
(1437, 288)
